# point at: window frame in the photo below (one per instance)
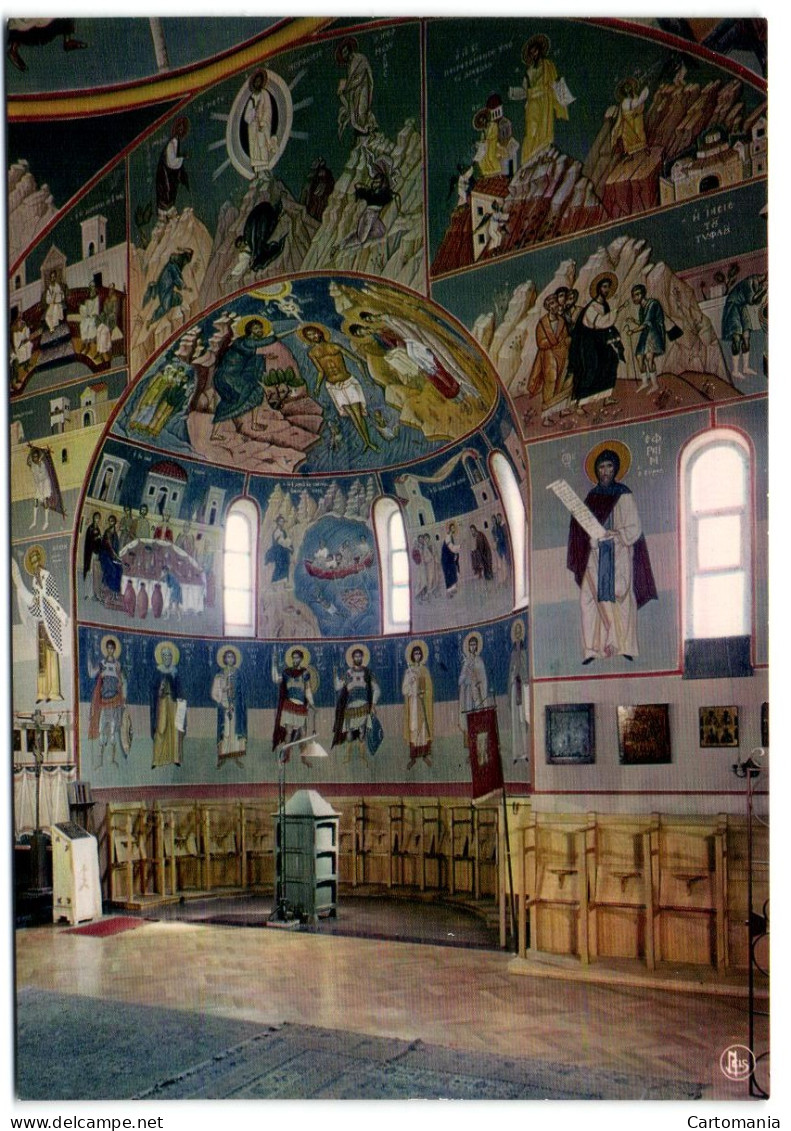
(515, 517)
(247, 510)
(724, 653)
(388, 512)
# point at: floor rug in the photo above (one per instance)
(204, 1057)
(104, 927)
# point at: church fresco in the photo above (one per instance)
(171, 703)
(294, 166)
(67, 299)
(310, 375)
(559, 128)
(457, 538)
(319, 573)
(149, 541)
(52, 440)
(684, 321)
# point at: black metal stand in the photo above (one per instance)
(39, 840)
(757, 928)
(282, 911)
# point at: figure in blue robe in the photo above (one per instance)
(239, 378)
(169, 285)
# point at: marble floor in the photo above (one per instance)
(456, 998)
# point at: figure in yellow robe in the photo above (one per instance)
(629, 126)
(542, 105)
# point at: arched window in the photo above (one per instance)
(716, 532)
(516, 523)
(239, 588)
(393, 565)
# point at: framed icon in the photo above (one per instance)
(570, 734)
(719, 726)
(644, 735)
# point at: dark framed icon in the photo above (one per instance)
(56, 740)
(644, 735)
(570, 734)
(718, 726)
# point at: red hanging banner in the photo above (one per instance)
(484, 748)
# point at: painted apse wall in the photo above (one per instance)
(182, 320)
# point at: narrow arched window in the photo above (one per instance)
(716, 530)
(393, 565)
(239, 588)
(515, 519)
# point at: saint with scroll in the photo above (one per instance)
(613, 571)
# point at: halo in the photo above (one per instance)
(514, 626)
(30, 569)
(240, 325)
(167, 644)
(271, 291)
(625, 88)
(349, 41)
(106, 640)
(260, 71)
(473, 636)
(480, 119)
(311, 326)
(358, 648)
(228, 648)
(620, 449)
(421, 644)
(289, 656)
(600, 278)
(539, 40)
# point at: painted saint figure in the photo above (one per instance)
(109, 558)
(481, 555)
(42, 614)
(449, 561)
(358, 694)
(168, 707)
(108, 700)
(89, 321)
(261, 119)
(46, 489)
(548, 374)
(519, 694)
(168, 285)
(238, 379)
(279, 553)
(355, 91)
(596, 348)
(91, 566)
(344, 390)
(55, 302)
(614, 574)
(171, 173)
(228, 692)
(295, 684)
(473, 680)
(417, 689)
(546, 97)
(736, 324)
(628, 130)
(652, 337)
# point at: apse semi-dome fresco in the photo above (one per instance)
(311, 409)
(313, 375)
